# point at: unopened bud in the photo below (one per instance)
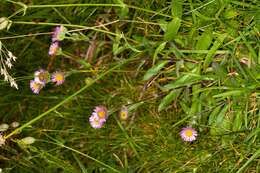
(27, 140)
(3, 127)
(14, 124)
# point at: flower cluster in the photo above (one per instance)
(6, 62)
(98, 117)
(42, 77)
(57, 36)
(188, 134)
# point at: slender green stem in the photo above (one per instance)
(99, 5)
(205, 51)
(25, 35)
(92, 158)
(80, 28)
(78, 152)
(67, 25)
(74, 5)
(65, 100)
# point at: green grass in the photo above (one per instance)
(172, 63)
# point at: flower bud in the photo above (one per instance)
(27, 140)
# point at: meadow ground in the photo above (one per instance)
(169, 64)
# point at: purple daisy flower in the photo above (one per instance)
(59, 33)
(35, 87)
(41, 76)
(95, 121)
(188, 134)
(101, 112)
(54, 48)
(58, 77)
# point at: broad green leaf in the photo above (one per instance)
(172, 29)
(213, 50)
(169, 98)
(154, 70)
(204, 41)
(177, 8)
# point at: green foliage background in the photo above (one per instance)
(172, 63)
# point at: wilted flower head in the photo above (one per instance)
(14, 124)
(59, 33)
(6, 62)
(41, 76)
(101, 112)
(188, 134)
(35, 87)
(3, 127)
(58, 77)
(54, 48)
(27, 140)
(95, 121)
(2, 140)
(123, 114)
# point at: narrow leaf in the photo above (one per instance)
(230, 93)
(154, 70)
(186, 80)
(158, 50)
(213, 115)
(213, 50)
(177, 8)
(169, 98)
(238, 121)
(254, 156)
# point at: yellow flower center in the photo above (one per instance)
(53, 49)
(188, 133)
(41, 76)
(36, 86)
(59, 77)
(101, 114)
(96, 122)
(123, 115)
